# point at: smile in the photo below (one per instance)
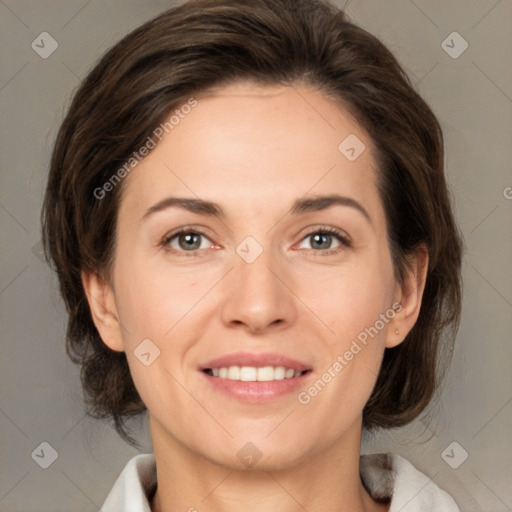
(253, 373)
(256, 378)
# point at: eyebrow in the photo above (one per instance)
(304, 205)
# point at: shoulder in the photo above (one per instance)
(390, 476)
(133, 486)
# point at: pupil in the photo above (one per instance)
(191, 241)
(317, 240)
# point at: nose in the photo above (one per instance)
(257, 296)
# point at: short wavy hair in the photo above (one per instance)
(205, 43)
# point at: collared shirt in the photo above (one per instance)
(383, 475)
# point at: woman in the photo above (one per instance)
(249, 219)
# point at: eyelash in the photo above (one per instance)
(342, 238)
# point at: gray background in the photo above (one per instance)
(40, 391)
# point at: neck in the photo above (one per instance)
(328, 481)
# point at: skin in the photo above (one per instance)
(254, 150)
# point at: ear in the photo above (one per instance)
(409, 296)
(100, 297)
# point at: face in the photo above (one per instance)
(252, 246)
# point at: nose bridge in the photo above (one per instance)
(253, 264)
(257, 296)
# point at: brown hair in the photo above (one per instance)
(205, 43)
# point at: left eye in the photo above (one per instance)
(323, 240)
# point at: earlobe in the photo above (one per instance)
(103, 309)
(409, 296)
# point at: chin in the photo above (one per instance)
(258, 455)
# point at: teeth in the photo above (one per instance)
(247, 373)
(253, 374)
(234, 373)
(279, 373)
(265, 374)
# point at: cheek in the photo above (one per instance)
(158, 302)
(356, 304)
(359, 320)
(155, 308)
(351, 358)
(153, 297)
(351, 298)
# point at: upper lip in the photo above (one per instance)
(255, 360)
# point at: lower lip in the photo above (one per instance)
(257, 392)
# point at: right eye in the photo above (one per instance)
(186, 240)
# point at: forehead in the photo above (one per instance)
(247, 144)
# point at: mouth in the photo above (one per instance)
(255, 378)
(254, 373)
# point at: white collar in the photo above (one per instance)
(384, 476)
